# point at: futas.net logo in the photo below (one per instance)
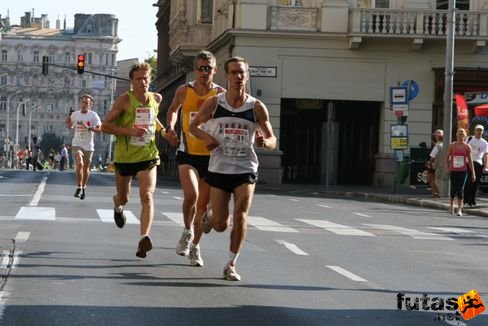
(468, 305)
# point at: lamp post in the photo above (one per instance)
(8, 111)
(448, 93)
(17, 125)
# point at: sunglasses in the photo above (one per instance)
(204, 68)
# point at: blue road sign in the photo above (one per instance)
(413, 88)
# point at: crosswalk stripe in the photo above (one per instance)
(22, 236)
(292, 247)
(346, 273)
(6, 259)
(175, 217)
(36, 213)
(337, 228)
(419, 235)
(265, 224)
(107, 216)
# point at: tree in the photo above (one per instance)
(153, 62)
(50, 140)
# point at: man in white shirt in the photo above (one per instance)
(479, 150)
(86, 122)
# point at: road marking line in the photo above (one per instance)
(450, 229)
(361, 214)
(292, 247)
(175, 217)
(38, 193)
(6, 259)
(293, 199)
(22, 236)
(346, 273)
(177, 198)
(325, 206)
(265, 224)
(107, 216)
(3, 301)
(36, 213)
(337, 228)
(419, 235)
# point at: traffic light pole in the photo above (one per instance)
(86, 71)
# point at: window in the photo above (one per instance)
(292, 3)
(20, 56)
(382, 4)
(35, 56)
(67, 57)
(49, 107)
(460, 4)
(4, 55)
(3, 79)
(206, 11)
(3, 103)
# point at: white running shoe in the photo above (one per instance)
(230, 274)
(183, 247)
(194, 255)
(459, 212)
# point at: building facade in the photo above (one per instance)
(325, 70)
(44, 99)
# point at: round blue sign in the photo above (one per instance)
(412, 88)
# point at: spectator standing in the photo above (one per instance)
(479, 150)
(63, 154)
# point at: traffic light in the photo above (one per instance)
(81, 63)
(45, 65)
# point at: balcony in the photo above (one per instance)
(417, 25)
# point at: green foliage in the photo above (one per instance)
(153, 62)
(50, 140)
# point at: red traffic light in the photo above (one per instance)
(81, 63)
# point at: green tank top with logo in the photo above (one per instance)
(130, 149)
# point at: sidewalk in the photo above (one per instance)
(404, 194)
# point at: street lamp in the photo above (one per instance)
(448, 92)
(34, 109)
(8, 111)
(17, 125)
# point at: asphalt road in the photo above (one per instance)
(307, 261)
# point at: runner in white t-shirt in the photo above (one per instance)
(479, 150)
(85, 122)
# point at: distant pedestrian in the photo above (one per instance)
(458, 160)
(36, 153)
(435, 162)
(63, 158)
(479, 150)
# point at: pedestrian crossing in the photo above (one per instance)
(298, 225)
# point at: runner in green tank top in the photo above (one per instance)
(133, 120)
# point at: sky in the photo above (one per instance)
(136, 20)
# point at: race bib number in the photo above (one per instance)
(81, 131)
(235, 142)
(144, 119)
(458, 162)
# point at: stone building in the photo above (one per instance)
(45, 99)
(326, 68)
